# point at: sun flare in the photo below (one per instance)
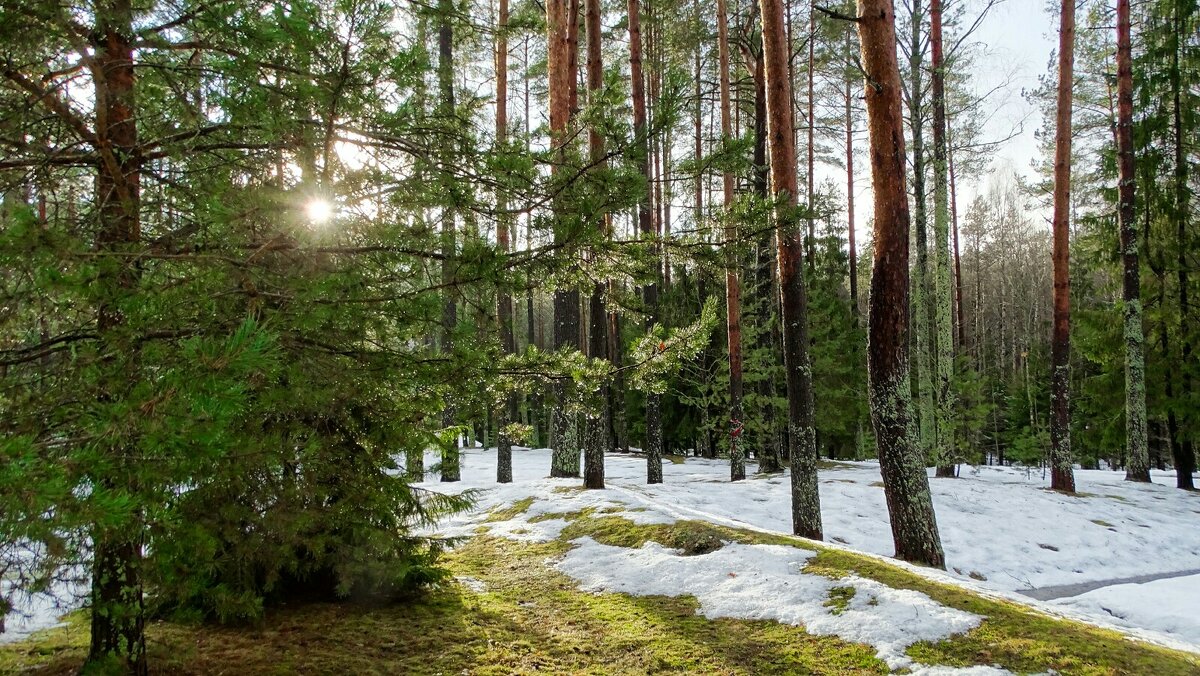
(319, 210)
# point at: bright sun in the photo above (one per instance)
(319, 210)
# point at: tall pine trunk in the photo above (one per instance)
(943, 297)
(922, 315)
(733, 289)
(811, 244)
(1062, 474)
(1137, 464)
(450, 451)
(901, 462)
(504, 310)
(597, 434)
(960, 318)
(118, 636)
(850, 234)
(1185, 458)
(802, 446)
(560, 39)
(646, 227)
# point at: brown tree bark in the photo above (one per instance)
(850, 234)
(118, 609)
(450, 451)
(802, 446)
(561, 60)
(597, 441)
(1062, 475)
(733, 290)
(1137, 465)
(901, 462)
(504, 309)
(811, 244)
(653, 441)
(942, 274)
(1185, 459)
(958, 283)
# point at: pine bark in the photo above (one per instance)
(943, 298)
(811, 244)
(922, 312)
(901, 462)
(450, 450)
(414, 460)
(1185, 455)
(1137, 465)
(1062, 474)
(733, 289)
(802, 451)
(958, 283)
(118, 620)
(646, 227)
(593, 461)
(850, 234)
(504, 309)
(560, 38)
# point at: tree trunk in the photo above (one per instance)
(597, 437)
(850, 234)
(646, 226)
(1137, 455)
(733, 291)
(943, 300)
(802, 447)
(922, 338)
(118, 636)
(450, 451)
(1062, 475)
(811, 244)
(560, 62)
(504, 310)
(958, 283)
(1185, 459)
(901, 462)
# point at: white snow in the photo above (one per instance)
(765, 582)
(1171, 606)
(37, 611)
(1002, 529)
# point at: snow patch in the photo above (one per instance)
(765, 582)
(1168, 605)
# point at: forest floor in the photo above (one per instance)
(698, 575)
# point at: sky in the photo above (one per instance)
(1020, 36)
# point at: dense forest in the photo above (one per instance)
(256, 258)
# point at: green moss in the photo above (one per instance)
(692, 537)
(531, 619)
(839, 599)
(1015, 637)
(511, 512)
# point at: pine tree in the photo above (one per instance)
(507, 412)
(597, 436)
(1137, 467)
(945, 453)
(901, 462)
(733, 293)
(1062, 476)
(802, 441)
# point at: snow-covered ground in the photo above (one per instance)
(1002, 530)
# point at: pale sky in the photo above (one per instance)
(1020, 37)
